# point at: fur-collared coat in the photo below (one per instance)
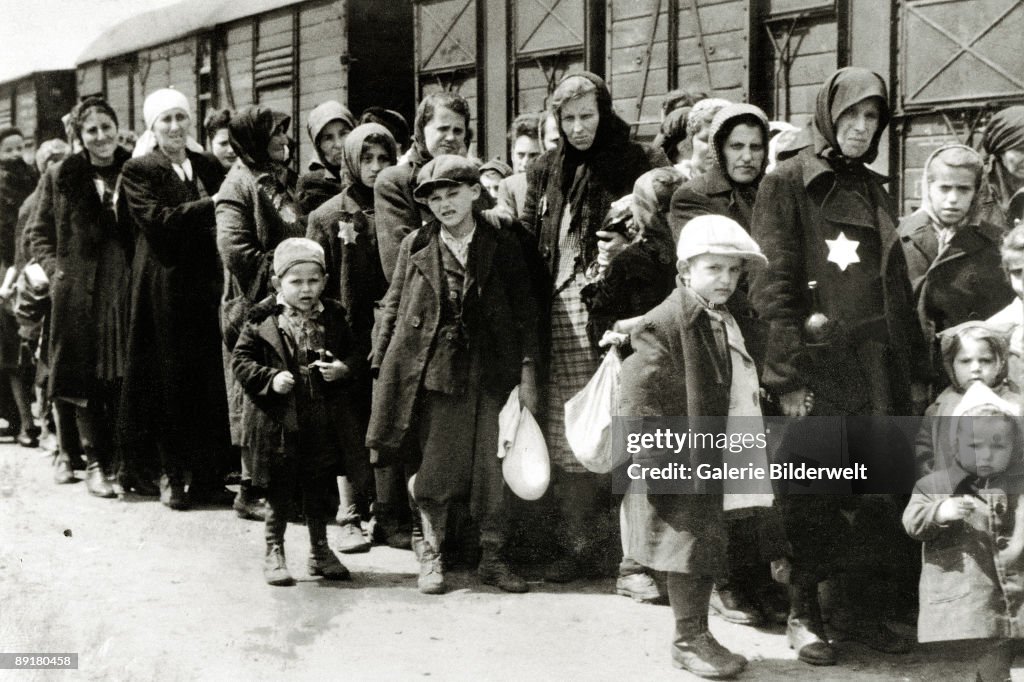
(260, 354)
(498, 310)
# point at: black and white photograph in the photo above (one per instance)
(468, 340)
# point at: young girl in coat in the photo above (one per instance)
(456, 334)
(972, 352)
(295, 361)
(970, 517)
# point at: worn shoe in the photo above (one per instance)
(275, 568)
(639, 587)
(498, 573)
(351, 539)
(247, 508)
(172, 494)
(323, 562)
(96, 481)
(810, 646)
(63, 472)
(140, 485)
(431, 580)
(28, 438)
(733, 606)
(705, 657)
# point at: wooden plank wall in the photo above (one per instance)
(25, 111)
(119, 85)
(629, 32)
(817, 56)
(237, 48)
(165, 66)
(90, 79)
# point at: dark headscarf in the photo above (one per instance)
(845, 88)
(652, 195)
(1005, 131)
(250, 132)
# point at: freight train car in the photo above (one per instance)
(287, 54)
(35, 103)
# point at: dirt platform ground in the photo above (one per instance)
(144, 593)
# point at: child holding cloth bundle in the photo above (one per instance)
(295, 360)
(970, 517)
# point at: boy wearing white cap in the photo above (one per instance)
(690, 360)
(298, 416)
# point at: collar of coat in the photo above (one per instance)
(485, 242)
(815, 167)
(76, 172)
(917, 227)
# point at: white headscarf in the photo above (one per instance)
(156, 104)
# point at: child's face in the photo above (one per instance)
(302, 285)
(714, 276)
(1015, 270)
(975, 361)
(452, 205)
(372, 161)
(985, 444)
(950, 192)
(489, 180)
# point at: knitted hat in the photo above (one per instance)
(446, 170)
(716, 234)
(297, 250)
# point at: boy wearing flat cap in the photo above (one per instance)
(457, 333)
(691, 359)
(295, 360)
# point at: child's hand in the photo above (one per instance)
(283, 383)
(954, 509)
(609, 245)
(333, 370)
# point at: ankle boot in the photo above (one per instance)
(172, 493)
(431, 579)
(247, 504)
(63, 471)
(694, 648)
(494, 570)
(323, 561)
(805, 631)
(275, 567)
(96, 480)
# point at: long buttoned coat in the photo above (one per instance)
(972, 584)
(676, 370)
(799, 206)
(498, 310)
(966, 282)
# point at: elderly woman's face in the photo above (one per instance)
(856, 127)
(331, 141)
(580, 118)
(171, 130)
(220, 146)
(1013, 162)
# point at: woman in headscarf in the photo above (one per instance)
(1003, 143)
(82, 237)
(170, 401)
(17, 180)
(256, 210)
(827, 227)
(328, 126)
(569, 192)
(345, 227)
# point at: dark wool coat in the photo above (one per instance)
(397, 213)
(966, 283)
(800, 205)
(499, 313)
(259, 355)
(17, 181)
(315, 187)
(172, 381)
(677, 370)
(66, 234)
(972, 577)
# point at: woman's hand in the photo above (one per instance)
(613, 338)
(609, 245)
(528, 396)
(798, 403)
(333, 370)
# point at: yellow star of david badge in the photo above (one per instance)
(842, 251)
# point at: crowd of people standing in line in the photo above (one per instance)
(343, 341)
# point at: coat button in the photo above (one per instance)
(545, 252)
(416, 321)
(1002, 543)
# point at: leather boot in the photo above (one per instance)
(323, 561)
(433, 522)
(96, 480)
(431, 578)
(275, 567)
(493, 570)
(694, 648)
(172, 493)
(63, 471)
(805, 631)
(247, 504)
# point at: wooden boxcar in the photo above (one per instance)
(287, 54)
(35, 103)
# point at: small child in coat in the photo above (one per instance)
(970, 517)
(456, 334)
(972, 352)
(297, 419)
(1011, 318)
